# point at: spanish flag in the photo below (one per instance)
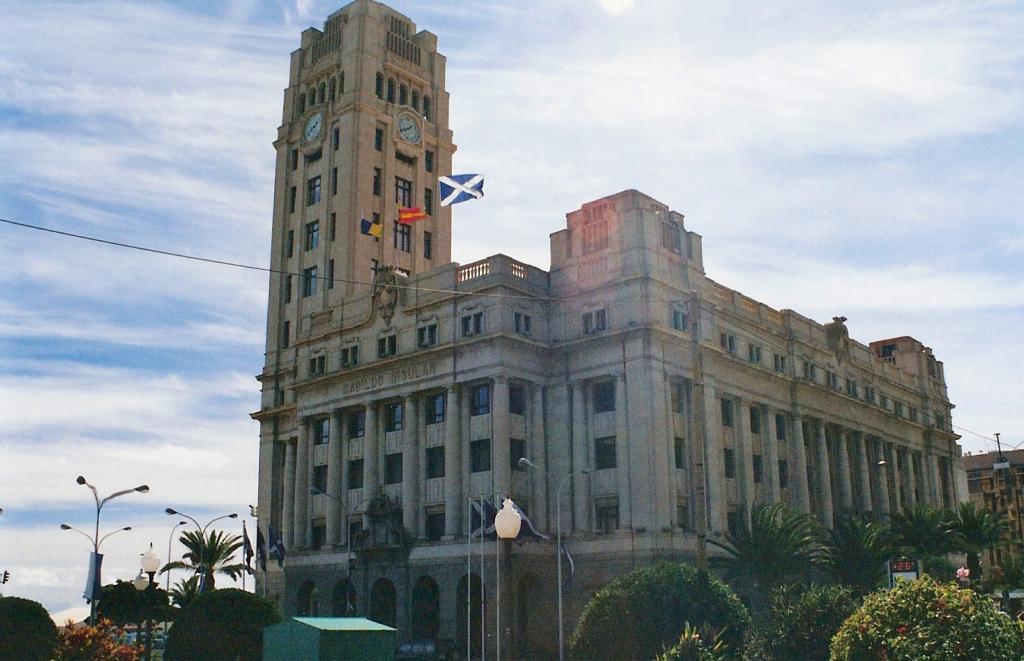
(408, 215)
(370, 228)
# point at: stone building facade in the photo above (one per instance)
(399, 386)
(999, 490)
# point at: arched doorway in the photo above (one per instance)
(529, 621)
(426, 600)
(468, 598)
(383, 602)
(306, 600)
(343, 599)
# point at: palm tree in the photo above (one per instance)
(977, 530)
(780, 544)
(924, 531)
(208, 555)
(856, 551)
(184, 591)
(1008, 576)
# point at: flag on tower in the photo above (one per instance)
(261, 548)
(409, 215)
(247, 551)
(371, 228)
(461, 187)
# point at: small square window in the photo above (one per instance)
(355, 474)
(603, 394)
(308, 281)
(313, 191)
(434, 526)
(595, 321)
(318, 535)
(780, 427)
(393, 416)
(758, 469)
(428, 201)
(604, 452)
(727, 342)
(428, 161)
(288, 288)
(436, 406)
(726, 412)
(679, 319)
(387, 346)
(780, 363)
(473, 324)
(320, 478)
(516, 400)
(754, 353)
(428, 245)
(426, 336)
(376, 181)
(285, 334)
(289, 250)
(393, 468)
(321, 431)
(480, 400)
(291, 199)
(729, 457)
(350, 356)
(378, 139)
(480, 455)
(607, 517)
(522, 323)
(312, 235)
(516, 451)
(357, 423)
(783, 474)
(435, 462)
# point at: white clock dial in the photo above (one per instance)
(313, 127)
(408, 128)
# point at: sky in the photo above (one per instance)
(856, 159)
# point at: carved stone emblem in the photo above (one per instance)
(386, 287)
(838, 337)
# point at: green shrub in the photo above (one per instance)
(26, 631)
(641, 614)
(921, 620)
(223, 624)
(692, 646)
(802, 621)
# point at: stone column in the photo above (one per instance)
(288, 511)
(411, 464)
(622, 452)
(538, 479)
(500, 463)
(798, 466)
(884, 507)
(302, 469)
(911, 478)
(371, 452)
(744, 456)
(346, 456)
(864, 469)
(897, 481)
(845, 481)
(714, 458)
(933, 469)
(770, 456)
(580, 458)
(824, 475)
(454, 503)
(334, 469)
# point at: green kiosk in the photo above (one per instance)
(328, 638)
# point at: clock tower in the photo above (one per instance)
(364, 132)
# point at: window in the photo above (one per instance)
(374, 264)
(317, 366)
(869, 394)
(783, 474)
(376, 181)
(670, 237)
(679, 320)
(403, 192)
(426, 336)
(330, 273)
(522, 323)
(312, 235)
(603, 394)
(434, 526)
(780, 363)
(726, 412)
(516, 451)
(473, 324)
(428, 245)
(480, 455)
(334, 181)
(335, 138)
(755, 420)
(727, 342)
(378, 139)
(391, 90)
(832, 380)
(729, 457)
(357, 423)
(516, 400)
(436, 408)
(402, 237)
(393, 414)
(313, 191)
(428, 201)
(682, 514)
(758, 469)
(350, 356)
(393, 468)
(323, 92)
(408, 160)
(387, 346)
(285, 332)
(912, 414)
(290, 244)
(428, 161)
(426, 107)
(480, 400)
(594, 321)
(754, 353)
(435, 462)
(295, 159)
(810, 371)
(355, 474)
(607, 514)
(595, 237)
(320, 478)
(604, 452)
(898, 409)
(680, 453)
(734, 523)
(288, 288)
(780, 427)
(677, 393)
(309, 281)
(321, 431)
(851, 388)
(378, 86)
(291, 199)
(318, 534)
(334, 226)
(884, 402)
(403, 95)
(415, 100)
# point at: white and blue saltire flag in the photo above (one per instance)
(461, 187)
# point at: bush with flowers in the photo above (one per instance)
(921, 620)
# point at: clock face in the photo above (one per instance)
(313, 127)
(408, 128)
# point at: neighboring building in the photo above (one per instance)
(999, 491)
(685, 402)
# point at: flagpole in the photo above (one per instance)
(469, 576)
(483, 612)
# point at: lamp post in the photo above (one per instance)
(523, 461)
(170, 511)
(170, 540)
(507, 523)
(150, 566)
(349, 511)
(96, 559)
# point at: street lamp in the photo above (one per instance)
(507, 523)
(97, 559)
(524, 462)
(170, 511)
(150, 565)
(349, 511)
(169, 541)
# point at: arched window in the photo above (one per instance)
(426, 600)
(391, 90)
(302, 103)
(426, 107)
(342, 90)
(311, 95)
(323, 93)
(384, 602)
(403, 95)
(378, 86)
(415, 100)
(330, 94)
